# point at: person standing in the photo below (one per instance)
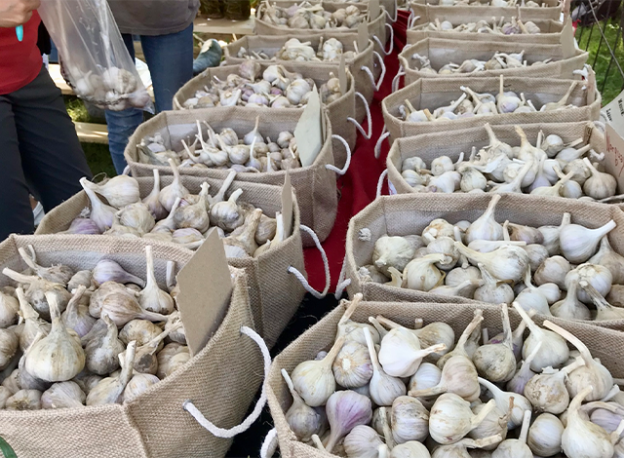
(39, 150)
(165, 28)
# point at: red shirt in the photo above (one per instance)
(20, 62)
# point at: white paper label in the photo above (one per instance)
(308, 132)
(613, 114)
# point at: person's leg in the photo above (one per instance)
(122, 124)
(52, 158)
(170, 61)
(16, 215)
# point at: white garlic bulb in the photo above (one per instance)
(516, 448)
(421, 273)
(138, 384)
(400, 353)
(579, 243)
(485, 227)
(302, 419)
(497, 361)
(110, 389)
(409, 420)
(384, 388)
(451, 419)
(545, 433)
(153, 298)
(394, 252)
(63, 395)
(362, 442)
(24, 400)
(352, 367)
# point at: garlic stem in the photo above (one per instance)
(526, 422)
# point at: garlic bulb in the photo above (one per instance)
(553, 270)
(485, 227)
(427, 376)
(101, 214)
(76, 315)
(56, 274)
(362, 442)
(109, 270)
(605, 311)
(494, 424)
(227, 215)
(409, 420)
(87, 382)
(9, 306)
(63, 395)
(411, 449)
(352, 367)
(544, 438)
(394, 252)
(579, 243)
(145, 360)
(421, 274)
(59, 356)
(32, 323)
(152, 298)
(26, 380)
(571, 307)
(384, 388)
(524, 373)
(531, 298)
(121, 307)
(346, 410)
(497, 361)
(151, 200)
(352, 330)
(493, 291)
(451, 419)
(314, 380)
(547, 391)
(170, 358)
(110, 389)
(176, 189)
(102, 353)
(138, 384)
(506, 263)
(503, 401)
(24, 400)
(302, 419)
(459, 449)
(9, 344)
(599, 277)
(516, 448)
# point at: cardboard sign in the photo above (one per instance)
(308, 131)
(362, 40)
(613, 113)
(615, 156)
(205, 292)
(342, 74)
(287, 206)
(568, 44)
(373, 9)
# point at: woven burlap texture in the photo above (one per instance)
(338, 110)
(432, 93)
(266, 274)
(270, 44)
(606, 344)
(551, 10)
(442, 51)
(220, 380)
(452, 144)
(410, 213)
(315, 185)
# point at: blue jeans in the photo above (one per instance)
(170, 62)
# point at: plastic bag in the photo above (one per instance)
(95, 57)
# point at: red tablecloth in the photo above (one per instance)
(357, 188)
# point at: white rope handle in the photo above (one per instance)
(343, 170)
(396, 79)
(244, 426)
(367, 70)
(342, 283)
(177, 104)
(383, 175)
(299, 275)
(396, 12)
(391, 29)
(384, 134)
(413, 19)
(369, 119)
(383, 69)
(269, 446)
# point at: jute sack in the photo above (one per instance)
(275, 293)
(432, 93)
(605, 344)
(550, 10)
(431, 146)
(361, 66)
(410, 213)
(425, 14)
(221, 379)
(315, 184)
(339, 111)
(442, 51)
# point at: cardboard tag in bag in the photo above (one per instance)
(287, 206)
(342, 74)
(568, 44)
(362, 40)
(205, 292)
(373, 9)
(615, 156)
(308, 130)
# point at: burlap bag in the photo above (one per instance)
(221, 380)
(431, 146)
(411, 213)
(270, 45)
(436, 92)
(605, 344)
(442, 51)
(275, 294)
(315, 185)
(552, 10)
(425, 14)
(339, 111)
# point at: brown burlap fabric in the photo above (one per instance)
(266, 273)
(338, 110)
(271, 44)
(432, 93)
(442, 51)
(411, 213)
(430, 146)
(606, 344)
(221, 380)
(552, 10)
(550, 28)
(315, 185)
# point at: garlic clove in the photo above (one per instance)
(102, 352)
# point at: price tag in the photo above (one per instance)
(613, 113)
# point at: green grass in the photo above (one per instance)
(614, 81)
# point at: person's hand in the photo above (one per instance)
(16, 12)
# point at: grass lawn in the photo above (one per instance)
(590, 40)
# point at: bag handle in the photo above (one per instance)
(299, 275)
(253, 416)
(397, 77)
(376, 85)
(383, 47)
(342, 283)
(396, 12)
(269, 445)
(384, 134)
(369, 120)
(332, 167)
(411, 21)
(383, 175)
(177, 104)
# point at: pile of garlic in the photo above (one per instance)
(226, 151)
(274, 87)
(172, 214)
(308, 16)
(471, 104)
(554, 169)
(295, 50)
(558, 271)
(387, 391)
(116, 89)
(92, 337)
(502, 27)
(499, 61)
